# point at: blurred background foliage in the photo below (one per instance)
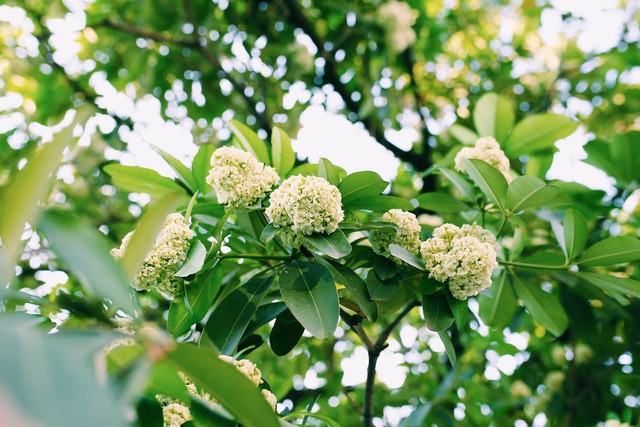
(192, 65)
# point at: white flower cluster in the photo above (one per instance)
(175, 414)
(238, 178)
(165, 257)
(487, 149)
(464, 258)
(397, 17)
(408, 237)
(251, 371)
(305, 205)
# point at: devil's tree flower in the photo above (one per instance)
(303, 205)
(407, 237)
(238, 178)
(487, 149)
(175, 414)
(397, 17)
(464, 258)
(165, 257)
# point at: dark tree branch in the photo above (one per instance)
(332, 77)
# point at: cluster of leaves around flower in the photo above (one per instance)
(239, 274)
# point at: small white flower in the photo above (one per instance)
(175, 414)
(251, 371)
(397, 17)
(165, 257)
(408, 237)
(303, 205)
(238, 178)
(487, 149)
(464, 258)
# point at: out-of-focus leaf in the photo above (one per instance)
(379, 203)
(225, 384)
(310, 293)
(86, 253)
(493, 115)
(538, 132)
(281, 152)
(489, 179)
(544, 307)
(463, 134)
(250, 141)
(614, 250)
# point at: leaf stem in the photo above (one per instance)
(192, 202)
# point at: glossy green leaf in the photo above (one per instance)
(201, 165)
(576, 233)
(306, 414)
(195, 260)
(144, 236)
(250, 141)
(265, 314)
(268, 233)
(489, 179)
(526, 192)
(459, 309)
(305, 169)
(357, 287)
(406, 256)
(493, 115)
(359, 185)
(179, 168)
(281, 152)
(538, 132)
(379, 290)
(336, 245)
(544, 307)
(285, 334)
(436, 311)
(85, 252)
(448, 346)
(193, 306)
(328, 171)
(463, 134)
(379, 203)
(613, 283)
(460, 183)
(310, 293)
(29, 186)
(441, 202)
(614, 250)
(231, 317)
(225, 384)
(141, 180)
(499, 304)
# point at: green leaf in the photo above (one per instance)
(614, 250)
(143, 238)
(141, 180)
(460, 310)
(613, 283)
(304, 414)
(310, 293)
(448, 346)
(268, 233)
(441, 202)
(265, 314)
(463, 134)
(526, 192)
(498, 307)
(201, 165)
(305, 169)
(359, 185)
(232, 316)
(281, 151)
(379, 290)
(328, 171)
(85, 252)
(200, 293)
(436, 310)
(489, 179)
(538, 132)
(194, 261)
(460, 183)
(29, 187)
(225, 384)
(379, 203)
(576, 233)
(250, 141)
(336, 245)
(544, 307)
(44, 376)
(285, 334)
(493, 115)
(357, 287)
(179, 168)
(406, 256)
(165, 380)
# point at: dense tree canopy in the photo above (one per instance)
(317, 274)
